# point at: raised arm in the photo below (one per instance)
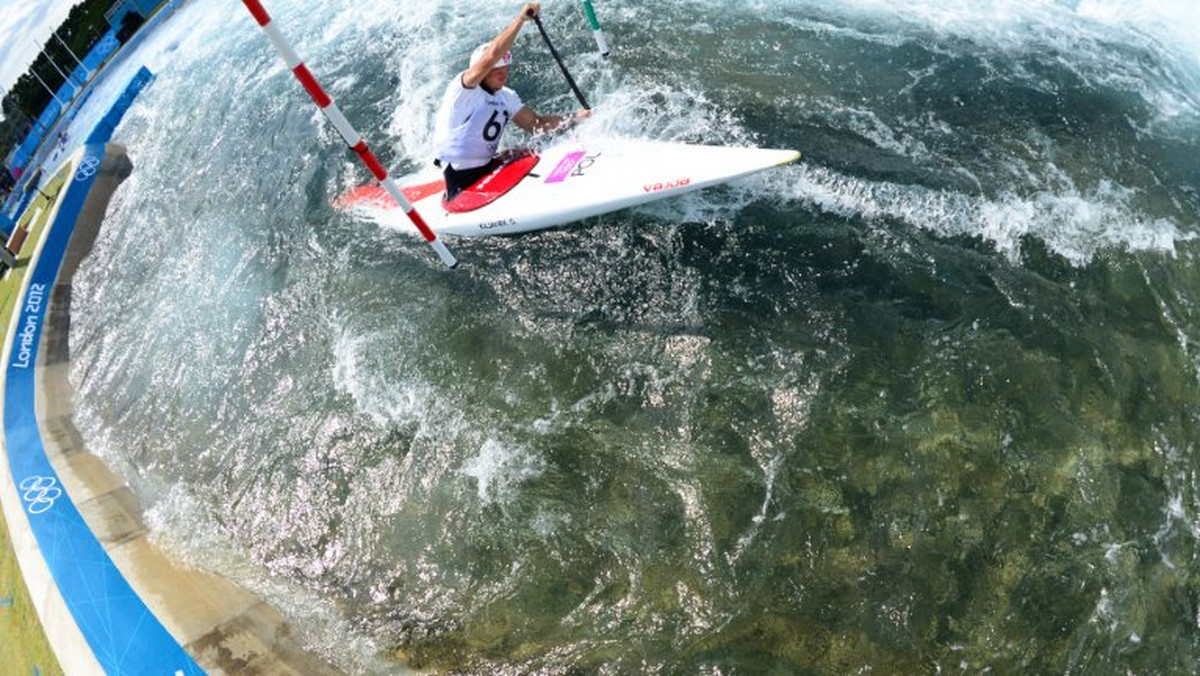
(499, 46)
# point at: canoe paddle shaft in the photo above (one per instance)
(554, 52)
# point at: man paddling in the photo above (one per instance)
(477, 106)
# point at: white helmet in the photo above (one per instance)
(477, 56)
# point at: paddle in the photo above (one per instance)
(554, 52)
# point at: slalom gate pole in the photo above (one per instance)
(554, 52)
(339, 121)
(597, 32)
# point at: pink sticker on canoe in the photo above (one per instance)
(564, 167)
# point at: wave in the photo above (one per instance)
(1074, 224)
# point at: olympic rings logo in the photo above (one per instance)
(88, 167)
(40, 492)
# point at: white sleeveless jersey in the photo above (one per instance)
(470, 123)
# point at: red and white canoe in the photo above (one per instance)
(568, 182)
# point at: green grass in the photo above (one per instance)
(23, 644)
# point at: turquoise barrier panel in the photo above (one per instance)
(103, 49)
(102, 133)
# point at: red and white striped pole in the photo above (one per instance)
(339, 121)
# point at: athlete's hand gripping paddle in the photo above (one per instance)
(554, 52)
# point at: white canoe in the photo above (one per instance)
(572, 181)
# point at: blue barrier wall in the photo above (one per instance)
(108, 124)
(124, 635)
